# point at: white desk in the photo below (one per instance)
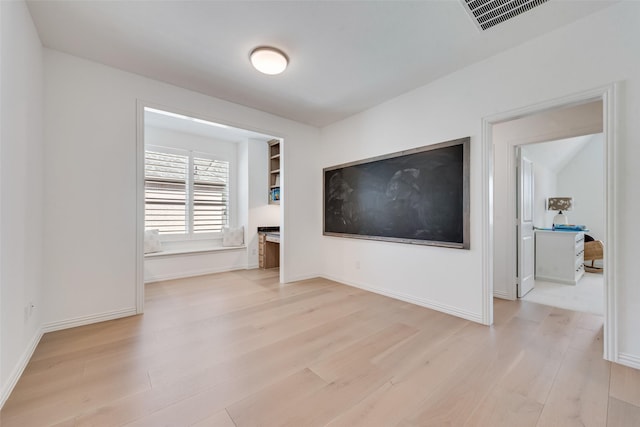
(559, 256)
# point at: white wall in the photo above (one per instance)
(595, 51)
(583, 179)
(21, 190)
(90, 113)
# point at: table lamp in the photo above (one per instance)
(560, 204)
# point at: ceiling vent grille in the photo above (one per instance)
(487, 13)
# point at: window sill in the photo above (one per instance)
(172, 252)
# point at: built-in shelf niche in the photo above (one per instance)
(274, 172)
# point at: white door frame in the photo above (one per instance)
(608, 95)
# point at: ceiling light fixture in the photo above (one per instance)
(269, 60)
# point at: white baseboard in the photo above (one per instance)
(303, 277)
(502, 295)
(474, 317)
(17, 371)
(194, 273)
(86, 320)
(629, 360)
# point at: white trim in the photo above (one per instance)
(608, 95)
(628, 360)
(556, 280)
(512, 232)
(284, 211)
(487, 221)
(195, 273)
(610, 109)
(19, 368)
(87, 320)
(447, 309)
(178, 252)
(502, 295)
(139, 285)
(306, 277)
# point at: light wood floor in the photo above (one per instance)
(238, 349)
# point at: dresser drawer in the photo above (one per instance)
(559, 256)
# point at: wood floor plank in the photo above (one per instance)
(211, 389)
(241, 349)
(409, 387)
(502, 407)
(579, 396)
(625, 384)
(220, 419)
(264, 406)
(361, 352)
(454, 403)
(532, 374)
(336, 398)
(622, 414)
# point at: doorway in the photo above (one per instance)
(500, 189)
(202, 192)
(572, 170)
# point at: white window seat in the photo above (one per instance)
(180, 259)
(171, 252)
(192, 247)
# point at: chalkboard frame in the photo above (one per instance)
(465, 244)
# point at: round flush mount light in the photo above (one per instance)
(269, 60)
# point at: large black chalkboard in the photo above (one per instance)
(418, 196)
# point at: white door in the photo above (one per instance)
(526, 246)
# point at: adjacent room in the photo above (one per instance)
(356, 213)
(211, 193)
(571, 167)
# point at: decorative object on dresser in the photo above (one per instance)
(274, 172)
(559, 256)
(560, 204)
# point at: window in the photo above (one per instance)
(186, 193)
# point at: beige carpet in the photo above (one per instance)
(586, 296)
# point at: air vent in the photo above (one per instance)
(487, 13)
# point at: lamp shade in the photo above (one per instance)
(560, 204)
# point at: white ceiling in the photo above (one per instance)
(345, 56)
(555, 155)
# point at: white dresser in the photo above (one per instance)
(559, 256)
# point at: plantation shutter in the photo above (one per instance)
(210, 195)
(165, 188)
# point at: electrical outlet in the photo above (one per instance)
(357, 265)
(253, 251)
